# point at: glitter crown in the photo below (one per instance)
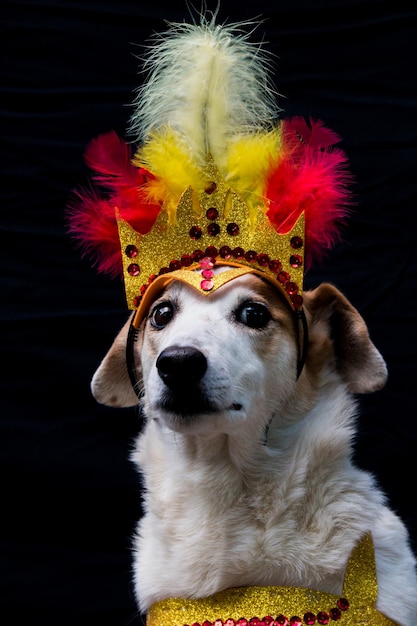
(215, 227)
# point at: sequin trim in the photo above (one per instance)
(322, 617)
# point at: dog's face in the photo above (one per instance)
(208, 362)
(228, 361)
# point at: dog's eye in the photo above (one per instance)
(162, 315)
(253, 314)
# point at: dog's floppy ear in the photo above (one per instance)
(357, 359)
(111, 383)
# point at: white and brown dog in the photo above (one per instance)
(247, 468)
(246, 454)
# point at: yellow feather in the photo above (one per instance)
(248, 160)
(172, 165)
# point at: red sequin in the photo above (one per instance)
(296, 242)
(281, 620)
(283, 277)
(254, 621)
(251, 256)
(335, 614)
(263, 260)
(206, 623)
(291, 288)
(195, 232)
(296, 260)
(225, 252)
(242, 621)
(213, 229)
(275, 266)
(309, 618)
(322, 618)
(211, 187)
(232, 229)
(175, 265)
(206, 285)
(212, 213)
(343, 604)
(267, 620)
(295, 621)
(238, 253)
(131, 251)
(212, 251)
(133, 269)
(197, 255)
(297, 300)
(206, 263)
(186, 260)
(207, 273)
(229, 622)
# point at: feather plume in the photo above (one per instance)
(208, 83)
(173, 168)
(91, 214)
(248, 161)
(310, 176)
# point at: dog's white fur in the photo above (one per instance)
(264, 493)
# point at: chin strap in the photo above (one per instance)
(302, 340)
(130, 357)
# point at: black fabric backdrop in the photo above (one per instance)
(69, 495)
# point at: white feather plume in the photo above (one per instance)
(208, 83)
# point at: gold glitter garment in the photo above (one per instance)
(275, 606)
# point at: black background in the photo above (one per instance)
(69, 495)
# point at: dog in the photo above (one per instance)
(247, 467)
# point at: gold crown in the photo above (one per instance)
(216, 225)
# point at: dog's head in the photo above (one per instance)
(207, 363)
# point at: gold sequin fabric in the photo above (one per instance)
(285, 605)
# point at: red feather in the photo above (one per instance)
(309, 177)
(92, 217)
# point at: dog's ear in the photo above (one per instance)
(111, 383)
(357, 359)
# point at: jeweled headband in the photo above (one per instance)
(216, 179)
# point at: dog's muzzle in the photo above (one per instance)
(182, 369)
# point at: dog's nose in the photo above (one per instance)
(181, 366)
